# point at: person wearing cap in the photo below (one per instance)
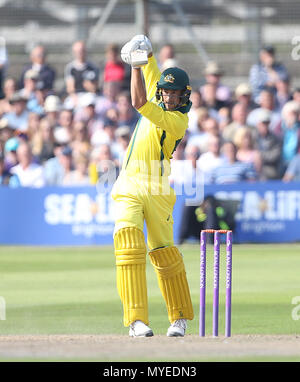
(106, 135)
(266, 72)
(270, 147)
(46, 74)
(142, 193)
(213, 74)
(17, 117)
(266, 102)
(243, 95)
(10, 152)
(86, 113)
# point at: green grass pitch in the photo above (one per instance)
(72, 290)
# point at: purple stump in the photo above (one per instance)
(202, 284)
(216, 284)
(228, 284)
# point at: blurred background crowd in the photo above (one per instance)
(73, 136)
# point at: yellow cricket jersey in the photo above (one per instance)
(157, 133)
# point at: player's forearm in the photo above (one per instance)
(138, 91)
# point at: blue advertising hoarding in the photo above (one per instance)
(268, 212)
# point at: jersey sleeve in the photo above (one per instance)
(151, 74)
(173, 122)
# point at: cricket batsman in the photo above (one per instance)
(142, 193)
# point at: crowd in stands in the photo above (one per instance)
(72, 136)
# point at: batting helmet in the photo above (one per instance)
(174, 79)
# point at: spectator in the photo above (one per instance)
(210, 128)
(187, 171)
(201, 115)
(52, 108)
(197, 102)
(209, 95)
(106, 135)
(232, 170)
(246, 152)
(79, 176)
(243, 96)
(9, 89)
(90, 83)
(33, 125)
(87, 113)
(63, 131)
(18, 116)
(29, 173)
(46, 74)
(43, 141)
(10, 153)
(66, 161)
(269, 146)
(103, 167)
(290, 131)
(213, 75)
(224, 117)
(266, 72)
(296, 95)
(283, 93)
(80, 143)
(166, 57)
(6, 178)
(114, 69)
(75, 70)
(108, 99)
(3, 64)
(6, 132)
(30, 80)
(126, 114)
(239, 118)
(266, 102)
(122, 135)
(211, 159)
(53, 169)
(293, 170)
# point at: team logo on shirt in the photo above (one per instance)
(169, 78)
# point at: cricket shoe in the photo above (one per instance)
(139, 329)
(177, 329)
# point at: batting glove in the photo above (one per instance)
(144, 43)
(127, 49)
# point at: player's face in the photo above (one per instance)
(171, 98)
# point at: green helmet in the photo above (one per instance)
(174, 79)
